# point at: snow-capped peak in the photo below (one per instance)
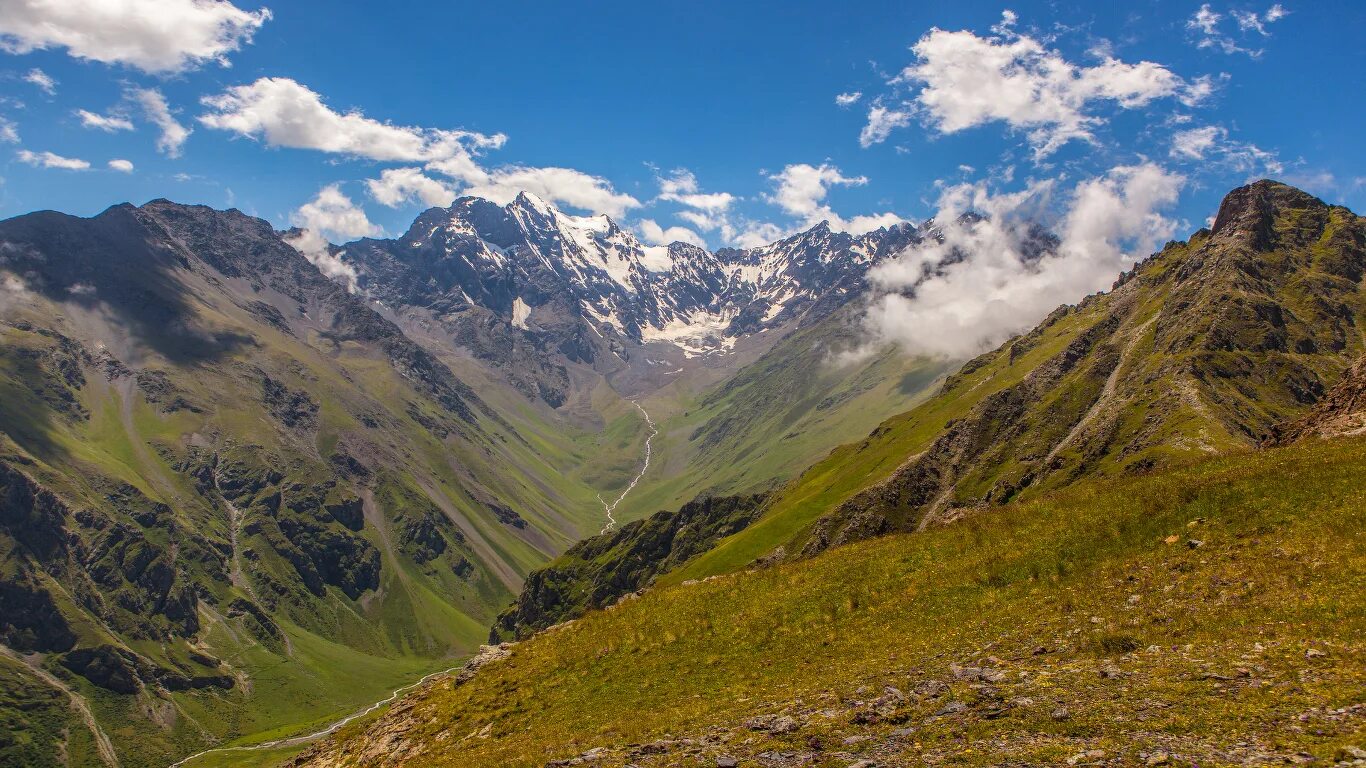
(516, 257)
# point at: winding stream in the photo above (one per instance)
(610, 508)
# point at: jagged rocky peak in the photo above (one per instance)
(529, 260)
(1249, 212)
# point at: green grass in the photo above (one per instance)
(850, 468)
(1221, 633)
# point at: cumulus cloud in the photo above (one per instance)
(848, 99)
(106, 123)
(560, 185)
(1195, 142)
(681, 187)
(162, 37)
(9, 131)
(991, 278)
(963, 81)
(283, 113)
(52, 160)
(158, 113)
(653, 234)
(881, 122)
(396, 186)
(42, 80)
(330, 216)
(800, 191)
(1206, 25)
(121, 165)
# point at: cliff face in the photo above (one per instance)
(1340, 413)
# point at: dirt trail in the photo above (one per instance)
(1107, 393)
(102, 742)
(610, 508)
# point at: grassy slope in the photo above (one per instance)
(775, 417)
(347, 653)
(1199, 373)
(852, 467)
(1202, 648)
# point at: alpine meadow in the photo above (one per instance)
(717, 385)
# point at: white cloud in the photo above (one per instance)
(881, 123)
(652, 233)
(1211, 143)
(801, 190)
(988, 279)
(1205, 20)
(1206, 26)
(121, 165)
(158, 37)
(9, 131)
(1249, 20)
(559, 185)
(965, 81)
(681, 187)
(396, 186)
(330, 216)
(106, 123)
(1196, 142)
(284, 113)
(1197, 91)
(848, 99)
(51, 160)
(42, 80)
(154, 108)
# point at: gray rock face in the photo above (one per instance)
(529, 287)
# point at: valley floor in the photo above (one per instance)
(1211, 615)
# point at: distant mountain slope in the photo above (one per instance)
(1202, 349)
(236, 498)
(531, 289)
(233, 496)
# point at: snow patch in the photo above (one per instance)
(520, 312)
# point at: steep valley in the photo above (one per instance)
(241, 502)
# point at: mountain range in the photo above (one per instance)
(240, 496)
(240, 499)
(1130, 536)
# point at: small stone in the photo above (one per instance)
(1088, 755)
(1349, 753)
(1060, 714)
(1159, 758)
(1314, 653)
(902, 733)
(726, 762)
(850, 741)
(863, 764)
(1172, 539)
(1194, 543)
(952, 708)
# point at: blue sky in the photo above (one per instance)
(622, 95)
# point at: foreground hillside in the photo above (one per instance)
(1207, 615)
